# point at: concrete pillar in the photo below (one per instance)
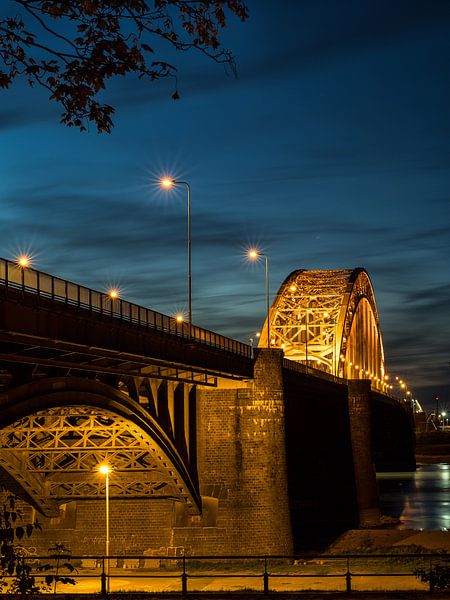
(361, 438)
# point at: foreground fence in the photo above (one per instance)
(269, 574)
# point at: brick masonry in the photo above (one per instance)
(361, 437)
(242, 466)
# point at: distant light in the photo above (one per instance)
(104, 469)
(167, 182)
(114, 293)
(179, 317)
(293, 288)
(326, 315)
(258, 334)
(23, 261)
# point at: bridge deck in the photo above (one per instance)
(87, 329)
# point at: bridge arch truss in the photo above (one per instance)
(329, 320)
(57, 433)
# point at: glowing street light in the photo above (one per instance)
(114, 294)
(23, 261)
(168, 183)
(255, 254)
(106, 470)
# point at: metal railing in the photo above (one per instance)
(300, 367)
(266, 574)
(63, 292)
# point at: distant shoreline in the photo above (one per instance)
(433, 447)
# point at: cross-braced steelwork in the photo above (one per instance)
(66, 445)
(57, 432)
(329, 320)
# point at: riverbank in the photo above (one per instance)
(433, 447)
(390, 541)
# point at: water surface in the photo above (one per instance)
(421, 500)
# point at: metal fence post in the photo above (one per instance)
(266, 577)
(348, 578)
(184, 578)
(103, 578)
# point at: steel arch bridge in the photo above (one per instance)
(329, 320)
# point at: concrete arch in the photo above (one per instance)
(32, 413)
(329, 321)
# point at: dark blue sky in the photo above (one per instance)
(331, 150)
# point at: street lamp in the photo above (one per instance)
(255, 254)
(106, 470)
(168, 183)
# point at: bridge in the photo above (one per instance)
(215, 447)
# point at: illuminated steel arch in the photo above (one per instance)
(52, 443)
(329, 321)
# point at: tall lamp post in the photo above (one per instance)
(169, 183)
(106, 470)
(255, 254)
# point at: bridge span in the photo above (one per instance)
(214, 448)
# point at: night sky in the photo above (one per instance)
(331, 150)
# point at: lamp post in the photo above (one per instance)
(255, 254)
(306, 335)
(106, 470)
(169, 183)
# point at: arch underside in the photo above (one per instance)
(329, 320)
(53, 455)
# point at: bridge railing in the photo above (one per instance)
(60, 291)
(299, 367)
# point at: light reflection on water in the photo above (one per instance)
(421, 500)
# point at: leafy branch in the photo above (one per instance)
(74, 47)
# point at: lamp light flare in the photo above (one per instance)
(104, 469)
(167, 182)
(23, 261)
(114, 293)
(253, 253)
(179, 317)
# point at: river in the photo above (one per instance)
(420, 500)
